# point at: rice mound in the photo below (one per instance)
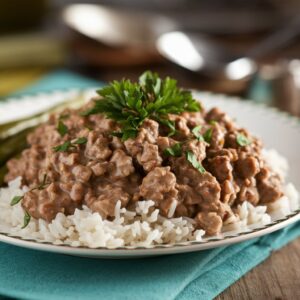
(144, 227)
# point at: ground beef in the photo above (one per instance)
(48, 202)
(269, 186)
(210, 222)
(97, 147)
(217, 137)
(248, 191)
(144, 147)
(159, 186)
(121, 164)
(106, 169)
(33, 160)
(105, 200)
(247, 167)
(182, 129)
(221, 168)
(197, 147)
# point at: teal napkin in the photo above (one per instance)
(28, 274)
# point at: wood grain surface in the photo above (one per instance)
(276, 278)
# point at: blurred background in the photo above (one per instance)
(244, 48)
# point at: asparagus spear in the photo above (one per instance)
(13, 145)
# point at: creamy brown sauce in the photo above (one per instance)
(105, 169)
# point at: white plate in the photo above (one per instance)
(277, 130)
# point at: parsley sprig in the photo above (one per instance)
(66, 146)
(130, 103)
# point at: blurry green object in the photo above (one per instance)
(13, 145)
(3, 171)
(21, 14)
(31, 50)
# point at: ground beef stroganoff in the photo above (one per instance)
(131, 145)
(98, 168)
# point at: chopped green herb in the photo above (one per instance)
(242, 140)
(190, 156)
(27, 218)
(15, 200)
(170, 124)
(62, 128)
(67, 145)
(128, 134)
(208, 135)
(80, 141)
(175, 150)
(63, 147)
(213, 122)
(130, 103)
(197, 134)
(42, 185)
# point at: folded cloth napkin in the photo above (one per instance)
(29, 274)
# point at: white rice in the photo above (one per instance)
(143, 227)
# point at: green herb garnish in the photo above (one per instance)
(68, 145)
(208, 135)
(62, 128)
(170, 124)
(63, 147)
(42, 185)
(197, 134)
(175, 150)
(191, 157)
(27, 218)
(242, 140)
(80, 141)
(15, 200)
(130, 103)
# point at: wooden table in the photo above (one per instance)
(276, 278)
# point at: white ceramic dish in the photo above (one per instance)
(277, 130)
